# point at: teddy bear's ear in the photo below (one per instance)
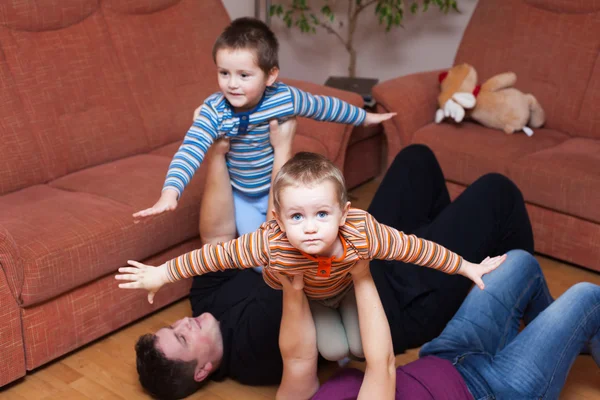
(442, 76)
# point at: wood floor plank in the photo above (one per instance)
(92, 390)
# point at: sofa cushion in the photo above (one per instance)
(469, 150)
(552, 46)
(167, 58)
(74, 91)
(565, 178)
(80, 227)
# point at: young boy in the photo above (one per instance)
(317, 233)
(247, 62)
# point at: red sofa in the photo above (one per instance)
(554, 48)
(96, 96)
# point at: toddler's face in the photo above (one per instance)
(311, 217)
(240, 78)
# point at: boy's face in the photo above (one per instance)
(240, 78)
(311, 217)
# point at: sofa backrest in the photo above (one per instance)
(89, 81)
(554, 48)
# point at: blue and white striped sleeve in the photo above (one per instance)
(201, 135)
(325, 108)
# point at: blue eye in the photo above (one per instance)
(296, 217)
(322, 214)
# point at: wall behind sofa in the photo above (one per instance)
(428, 41)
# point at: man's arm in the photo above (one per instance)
(297, 342)
(325, 108)
(282, 138)
(380, 373)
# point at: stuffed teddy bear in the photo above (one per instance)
(495, 104)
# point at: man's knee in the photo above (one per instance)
(419, 153)
(498, 185)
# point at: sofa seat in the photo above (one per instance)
(469, 150)
(53, 225)
(563, 178)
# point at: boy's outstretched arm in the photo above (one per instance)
(297, 342)
(200, 136)
(332, 109)
(380, 373)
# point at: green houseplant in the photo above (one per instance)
(307, 16)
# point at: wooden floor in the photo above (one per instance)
(105, 369)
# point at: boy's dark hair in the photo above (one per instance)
(163, 378)
(252, 34)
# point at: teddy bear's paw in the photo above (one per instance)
(466, 100)
(528, 131)
(439, 116)
(454, 110)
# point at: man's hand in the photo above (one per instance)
(373, 119)
(360, 269)
(282, 135)
(475, 271)
(197, 112)
(167, 202)
(143, 276)
(289, 283)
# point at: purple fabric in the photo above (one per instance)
(429, 378)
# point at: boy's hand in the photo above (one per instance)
(294, 282)
(372, 118)
(475, 271)
(282, 135)
(143, 277)
(167, 202)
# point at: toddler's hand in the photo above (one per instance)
(475, 271)
(167, 202)
(372, 118)
(143, 277)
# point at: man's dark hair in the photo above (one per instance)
(163, 378)
(252, 34)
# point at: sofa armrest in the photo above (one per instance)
(10, 263)
(333, 136)
(12, 351)
(414, 98)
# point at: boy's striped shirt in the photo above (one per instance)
(362, 237)
(250, 158)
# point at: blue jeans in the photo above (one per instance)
(250, 213)
(496, 361)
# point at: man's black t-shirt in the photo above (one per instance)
(249, 313)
